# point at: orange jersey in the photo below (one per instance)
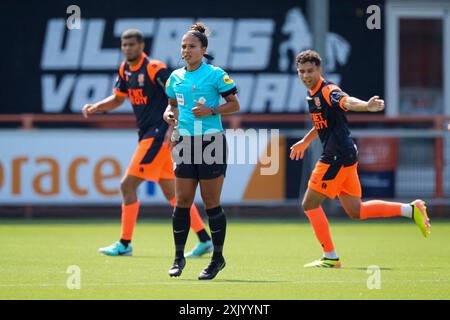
(327, 112)
(144, 85)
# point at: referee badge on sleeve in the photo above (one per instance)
(227, 79)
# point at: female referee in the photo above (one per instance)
(194, 93)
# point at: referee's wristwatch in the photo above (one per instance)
(214, 111)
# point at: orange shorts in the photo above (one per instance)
(333, 181)
(152, 161)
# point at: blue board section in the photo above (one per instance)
(377, 184)
(150, 188)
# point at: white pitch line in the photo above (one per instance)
(190, 283)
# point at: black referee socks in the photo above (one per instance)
(217, 226)
(181, 222)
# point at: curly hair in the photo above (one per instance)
(308, 56)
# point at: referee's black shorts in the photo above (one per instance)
(200, 157)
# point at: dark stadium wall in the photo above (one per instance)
(260, 60)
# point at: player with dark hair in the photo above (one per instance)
(142, 80)
(335, 174)
(194, 107)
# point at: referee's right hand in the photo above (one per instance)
(88, 109)
(170, 118)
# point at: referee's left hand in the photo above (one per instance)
(201, 111)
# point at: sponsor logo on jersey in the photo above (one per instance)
(180, 99)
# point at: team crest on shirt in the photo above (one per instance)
(227, 79)
(141, 79)
(317, 102)
(127, 75)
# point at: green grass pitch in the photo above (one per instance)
(264, 261)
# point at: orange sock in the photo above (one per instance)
(379, 209)
(129, 217)
(196, 220)
(321, 228)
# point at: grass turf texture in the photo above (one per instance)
(264, 261)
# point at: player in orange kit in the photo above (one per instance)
(335, 174)
(143, 80)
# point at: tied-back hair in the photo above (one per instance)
(200, 31)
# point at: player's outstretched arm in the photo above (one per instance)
(110, 103)
(375, 104)
(298, 149)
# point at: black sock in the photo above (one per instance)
(125, 242)
(203, 236)
(218, 226)
(181, 222)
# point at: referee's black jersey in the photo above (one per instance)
(144, 85)
(326, 108)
